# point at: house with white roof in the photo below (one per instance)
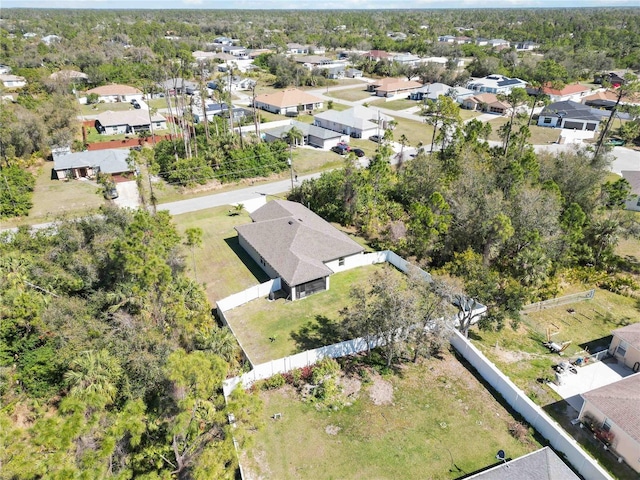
(311, 135)
(12, 81)
(357, 122)
(496, 84)
(433, 90)
(115, 93)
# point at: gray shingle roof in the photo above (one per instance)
(620, 402)
(109, 161)
(542, 464)
(295, 241)
(133, 118)
(573, 110)
(633, 177)
(306, 130)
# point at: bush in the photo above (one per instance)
(325, 368)
(274, 382)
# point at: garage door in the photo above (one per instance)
(574, 125)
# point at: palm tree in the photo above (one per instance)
(292, 136)
(93, 377)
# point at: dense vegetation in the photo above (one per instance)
(110, 362)
(508, 224)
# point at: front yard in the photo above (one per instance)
(539, 135)
(268, 330)
(432, 420)
(352, 94)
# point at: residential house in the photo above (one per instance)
(289, 241)
(543, 464)
(49, 39)
(4, 69)
(612, 78)
(313, 61)
(433, 90)
(222, 41)
(498, 43)
(482, 42)
(288, 101)
(12, 81)
(217, 110)
(201, 56)
(178, 86)
(607, 99)
(393, 87)
(570, 115)
(253, 53)
(297, 49)
(377, 55)
(526, 46)
(406, 59)
(625, 344)
(614, 410)
(317, 50)
(463, 40)
(398, 36)
(116, 93)
(239, 83)
(235, 51)
(130, 121)
(496, 84)
(335, 72)
(353, 73)
(69, 76)
(486, 102)
(88, 164)
(447, 39)
(633, 202)
(573, 91)
(311, 135)
(357, 122)
(444, 61)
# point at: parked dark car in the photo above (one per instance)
(134, 101)
(137, 106)
(110, 193)
(615, 142)
(340, 148)
(375, 138)
(358, 151)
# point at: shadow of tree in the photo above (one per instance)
(319, 332)
(250, 263)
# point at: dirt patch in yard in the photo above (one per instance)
(351, 387)
(381, 391)
(509, 356)
(332, 429)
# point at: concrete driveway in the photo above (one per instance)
(128, 195)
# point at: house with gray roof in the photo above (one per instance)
(311, 135)
(496, 84)
(88, 164)
(615, 409)
(357, 122)
(572, 115)
(289, 241)
(130, 121)
(433, 90)
(543, 464)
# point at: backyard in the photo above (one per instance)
(432, 420)
(53, 198)
(268, 330)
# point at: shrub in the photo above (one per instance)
(274, 382)
(519, 431)
(326, 367)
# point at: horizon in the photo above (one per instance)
(310, 5)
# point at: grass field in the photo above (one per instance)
(539, 135)
(416, 132)
(351, 95)
(396, 105)
(296, 326)
(442, 423)
(221, 264)
(468, 114)
(53, 198)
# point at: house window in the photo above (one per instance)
(638, 203)
(606, 425)
(341, 262)
(547, 120)
(622, 348)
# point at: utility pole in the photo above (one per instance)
(291, 161)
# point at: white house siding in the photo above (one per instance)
(633, 203)
(625, 446)
(631, 355)
(268, 269)
(351, 261)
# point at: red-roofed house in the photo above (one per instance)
(574, 92)
(393, 87)
(288, 101)
(615, 409)
(378, 55)
(116, 93)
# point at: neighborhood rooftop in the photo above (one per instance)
(620, 402)
(288, 98)
(115, 89)
(630, 333)
(295, 241)
(108, 161)
(129, 117)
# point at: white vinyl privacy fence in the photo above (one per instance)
(532, 413)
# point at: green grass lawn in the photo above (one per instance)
(396, 105)
(521, 355)
(351, 95)
(416, 132)
(53, 198)
(539, 135)
(221, 264)
(468, 114)
(256, 322)
(94, 137)
(442, 424)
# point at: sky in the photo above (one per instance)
(311, 4)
